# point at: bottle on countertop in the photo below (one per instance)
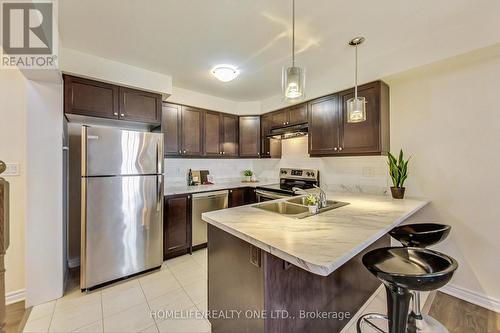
(190, 181)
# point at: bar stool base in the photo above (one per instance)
(425, 325)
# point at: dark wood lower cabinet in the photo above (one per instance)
(242, 196)
(176, 225)
(244, 278)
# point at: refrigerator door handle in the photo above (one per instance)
(159, 157)
(159, 185)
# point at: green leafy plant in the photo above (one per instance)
(248, 173)
(398, 169)
(311, 200)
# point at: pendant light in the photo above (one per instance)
(293, 78)
(356, 107)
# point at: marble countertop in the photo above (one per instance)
(321, 243)
(171, 189)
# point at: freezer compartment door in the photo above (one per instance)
(110, 151)
(122, 226)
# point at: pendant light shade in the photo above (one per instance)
(356, 106)
(293, 78)
(293, 83)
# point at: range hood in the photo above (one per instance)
(288, 132)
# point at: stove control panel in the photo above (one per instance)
(305, 174)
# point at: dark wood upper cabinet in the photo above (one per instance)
(229, 135)
(104, 100)
(331, 135)
(370, 136)
(139, 106)
(90, 98)
(324, 126)
(171, 128)
(297, 114)
(192, 131)
(213, 133)
(176, 225)
(279, 118)
(293, 115)
(268, 147)
(249, 136)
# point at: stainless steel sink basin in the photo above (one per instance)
(283, 208)
(296, 207)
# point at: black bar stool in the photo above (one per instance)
(403, 270)
(421, 235)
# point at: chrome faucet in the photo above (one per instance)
(322, 197)
(299, 190)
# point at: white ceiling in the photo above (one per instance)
(186, 38)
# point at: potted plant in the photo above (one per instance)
(248, 175)
(312, 203)
(398, 170)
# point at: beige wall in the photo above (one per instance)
(447, 116)
(13, 150)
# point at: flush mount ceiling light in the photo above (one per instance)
(293, 78)
(356, 107)
(225, 73)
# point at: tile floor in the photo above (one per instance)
(181, 285)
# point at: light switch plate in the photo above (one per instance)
(12, 169)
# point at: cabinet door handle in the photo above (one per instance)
(223, 153)
(180, 151)
(184, 152)
(268, 152)
(122, 114)
(115, 113)
(340, 148)
(335, 148)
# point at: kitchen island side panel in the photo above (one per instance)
(235, 285)
(300, 292)
(258, 290)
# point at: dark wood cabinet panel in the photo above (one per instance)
(324, 126)
(176, 225)
(297, 114)
(250, 196)
(171, 128)
(279, 118)
(265, 127)
(139, 106)
(242, 196)
(237, 197)
(192, 131)
(370, 136)
(268, 147)
(249, 142)
(229, 135)
(213, 133)
(90, 98)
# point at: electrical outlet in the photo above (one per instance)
(11, 170)
(368, 172)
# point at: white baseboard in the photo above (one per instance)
(73, 262)
(473, 297)
(15, 296)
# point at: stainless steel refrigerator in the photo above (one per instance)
(122, 204)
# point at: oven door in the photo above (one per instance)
(263, 195)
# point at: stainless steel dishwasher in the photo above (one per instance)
(202, 203)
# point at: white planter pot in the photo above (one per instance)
(313, 209)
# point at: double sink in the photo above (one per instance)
(296, 207)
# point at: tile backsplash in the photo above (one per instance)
(367, 174)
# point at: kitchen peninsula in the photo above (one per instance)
(261, 263)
